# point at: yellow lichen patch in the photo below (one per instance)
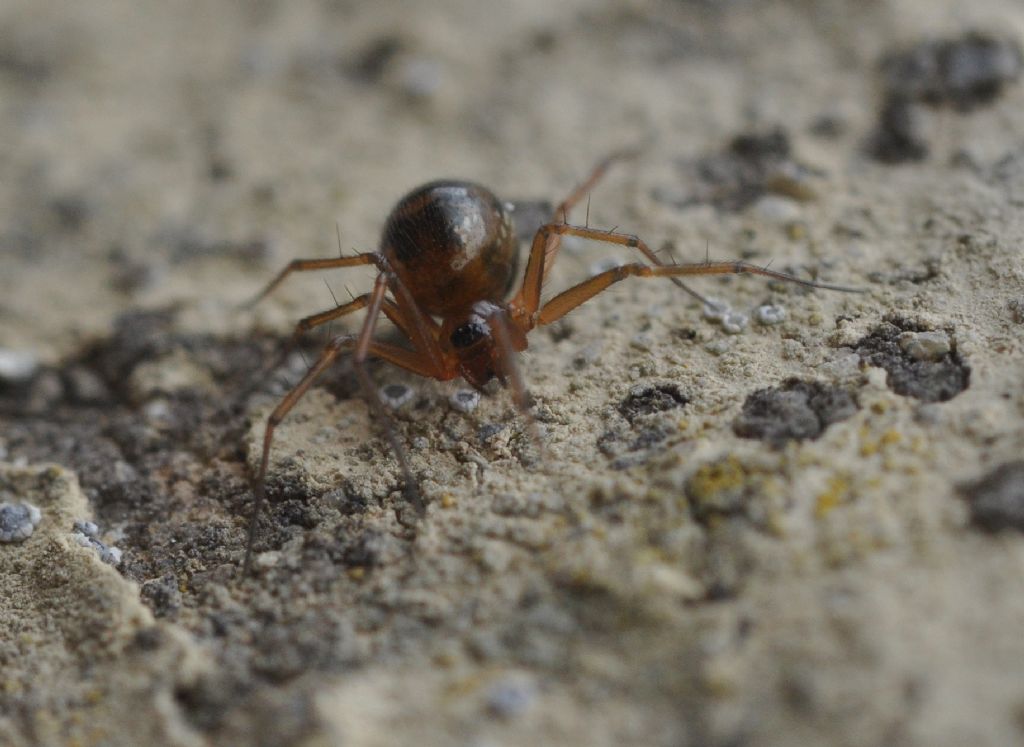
(891, 436)
(871, 446)
(713, 479)
(832, 496)
(447, 500)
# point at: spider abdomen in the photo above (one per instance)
(453, 244)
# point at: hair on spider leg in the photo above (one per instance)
(452, 295)
(331, 291)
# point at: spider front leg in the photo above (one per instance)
(527, 303)
(584, 187)
(364, 347)
(553, 242)
(507, 333)
(308, 323)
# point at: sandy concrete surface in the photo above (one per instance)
(807, 532)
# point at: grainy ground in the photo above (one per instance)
(805, 533)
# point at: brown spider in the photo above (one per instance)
(447, 260)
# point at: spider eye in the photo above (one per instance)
(467, 334)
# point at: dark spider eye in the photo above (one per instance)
(467, 334)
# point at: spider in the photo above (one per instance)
(447, 261)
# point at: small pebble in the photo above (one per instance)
(719, 346)
(17, 366)
(395, 395)
(511, 697)
(88, 528)
(465, 400)
(85, 533)
(421, 78)
(641, 341)
(777, 209)
(588, 354)
(734, 322)
(925, 346)
(18, 521)
(715, 310)
(768, 314)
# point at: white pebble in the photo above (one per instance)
(18, 521)
(88, 528)
(17, 365)
(925, 346)
(768, 314)
(641, 341)
(511, 697)
(715, 310)
(395, 395)
(777, 209)
(465, 400)
(734, 322)
(85, 533)
(718, 346)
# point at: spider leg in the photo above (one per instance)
(315, 320)
(406, 359)
(422, 330)
(391, 311)
(538, 266)
(526, 303)
(305, 265)
(561, 214)
(363, 347)
(562, 211)
(502, 329)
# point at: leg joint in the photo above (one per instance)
(341, 341)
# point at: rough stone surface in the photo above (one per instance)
(915, 367)
(796, 410)
(650, 579)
